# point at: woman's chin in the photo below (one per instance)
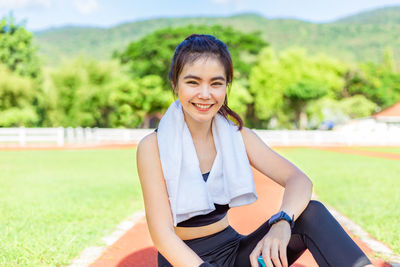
(201, 118)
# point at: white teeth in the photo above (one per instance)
(202, 106)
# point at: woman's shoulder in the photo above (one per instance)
(148, 144)
(245, 132)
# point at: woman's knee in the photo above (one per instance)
(312, 214)
(315, 206)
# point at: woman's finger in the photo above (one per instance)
(254, 254)
(275, 254)
(283, 256)
(266, 254)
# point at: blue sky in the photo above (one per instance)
(41, 14)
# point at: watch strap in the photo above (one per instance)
(282, 216)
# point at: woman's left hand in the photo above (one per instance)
(273, 246)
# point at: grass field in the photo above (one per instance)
(362, 188)
(55, 203)
(382, 149)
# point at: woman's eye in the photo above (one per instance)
(192, 82)
(217, 84)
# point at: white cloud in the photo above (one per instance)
(19, 4)
(86, 6)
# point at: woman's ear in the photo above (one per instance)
(174, 88)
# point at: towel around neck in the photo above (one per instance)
(230, 180)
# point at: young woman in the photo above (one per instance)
(187, 215)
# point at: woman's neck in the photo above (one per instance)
(200, 132)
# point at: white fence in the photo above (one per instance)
(88, 136)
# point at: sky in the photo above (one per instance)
(43, 14)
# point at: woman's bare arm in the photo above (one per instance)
(298, 187)
(158, 212)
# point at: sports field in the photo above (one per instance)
(365, 189)
(382, 149)
(55, 203)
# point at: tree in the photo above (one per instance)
(283, 85)
(300, 93)
(101, 94)
(375, 82)
(153, 53)
(379, 83)
(18, 55)
(17, 51)
(388, 60)
(17, 94)
(136, 101)
(81, 90)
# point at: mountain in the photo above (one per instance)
(385, 15)
(355, 38)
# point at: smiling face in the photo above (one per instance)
(201, 88)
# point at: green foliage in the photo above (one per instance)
(283, 85)
(24, 79)
(153, 53)
(377, 82)
(82, 89)
(17, 94)
(388, 60)
(100, 94)
(239, 97)
(135, 99)
(270, 89)
(16, 49)
(305, 90)
(358, 106)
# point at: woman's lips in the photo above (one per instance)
(202, 109)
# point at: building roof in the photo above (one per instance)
(389, 115)
(393, 111)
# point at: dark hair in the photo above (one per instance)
(196, 46)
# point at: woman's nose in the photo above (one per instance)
(205, 92)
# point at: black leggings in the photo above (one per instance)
(315, 229)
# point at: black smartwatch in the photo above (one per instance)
(281, 216)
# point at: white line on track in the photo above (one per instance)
(90, 254)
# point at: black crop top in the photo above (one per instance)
(212, 217)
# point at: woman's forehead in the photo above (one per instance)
(204, 65)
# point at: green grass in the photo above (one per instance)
(381, 149)
(53, 204)
(362, 188)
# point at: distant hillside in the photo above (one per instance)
(359, 37)
(386, 15)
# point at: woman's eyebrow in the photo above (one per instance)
(198, 78)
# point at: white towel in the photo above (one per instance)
(230, 180)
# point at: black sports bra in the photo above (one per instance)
(212, 217)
